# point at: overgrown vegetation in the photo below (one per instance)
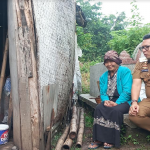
(104, 33)
(88, 120)
(85, 72)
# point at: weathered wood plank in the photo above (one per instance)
(12, 28)
(25, 108)
(28, 89)
(10, 110)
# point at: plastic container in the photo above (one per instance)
(3, 133)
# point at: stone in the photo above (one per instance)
(14, 148)
(128, 122)
(126, 59)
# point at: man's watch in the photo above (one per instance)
(134, 101)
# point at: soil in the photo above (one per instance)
(142, 144)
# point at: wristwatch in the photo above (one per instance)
(134, 101)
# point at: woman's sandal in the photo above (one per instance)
(97, 145)
(108, 146)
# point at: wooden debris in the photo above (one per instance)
(73, 124)
(62, 139)
(10, 111)
(68, 143)
(81, 130)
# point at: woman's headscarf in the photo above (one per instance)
(112, 55)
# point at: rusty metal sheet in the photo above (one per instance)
(50, 101)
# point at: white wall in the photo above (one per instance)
(55, 31)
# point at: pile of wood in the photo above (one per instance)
(73, 131)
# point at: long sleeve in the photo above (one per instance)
(103, 87)
(125, 84)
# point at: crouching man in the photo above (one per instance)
(139, 112)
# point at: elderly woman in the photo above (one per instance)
(115, 93)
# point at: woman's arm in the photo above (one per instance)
(126, 83)
(103, 89)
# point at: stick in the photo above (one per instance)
(73, 124)
(10, 111)
(3, 68)
(81, 130)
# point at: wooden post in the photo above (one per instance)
(73, 124)
(3, 67)
(81, 130)
(10, 111)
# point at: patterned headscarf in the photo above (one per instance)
(112, 55)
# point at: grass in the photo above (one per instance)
(88, 120)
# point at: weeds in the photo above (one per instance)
(85, 72)
(88, 120)
(55, 139)
(148, 138)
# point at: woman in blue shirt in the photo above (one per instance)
(115, 93)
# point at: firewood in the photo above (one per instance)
(81, 130)
(68, 143)
(73, 124)
(62, 139)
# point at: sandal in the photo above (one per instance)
(108, 146)
(97, 145)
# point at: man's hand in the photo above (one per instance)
(110, 103)
(134, 109)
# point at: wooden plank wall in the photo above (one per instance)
(24, 80)
(12, 20)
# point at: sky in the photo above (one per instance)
(113, 6)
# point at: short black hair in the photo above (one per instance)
(147, 36)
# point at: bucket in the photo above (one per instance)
(3, 133)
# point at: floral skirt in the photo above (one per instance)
(107, 123)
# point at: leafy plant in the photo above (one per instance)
(128, 39)
(136, 19)
(93, 39)
(88, 120)
(85, 72)
(55, 139)
(148, 138)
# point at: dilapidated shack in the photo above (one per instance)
(41, 36)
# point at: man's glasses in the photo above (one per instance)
(144, 47)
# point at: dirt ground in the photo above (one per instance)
(142, 143)
(7, 146)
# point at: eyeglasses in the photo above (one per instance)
(144, 47)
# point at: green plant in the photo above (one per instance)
(135, 142)
(88, 120)
(55, 139)
(85, 72)
(148, 138)
(128, 39)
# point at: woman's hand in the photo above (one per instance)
(110, 103)
(106, 103)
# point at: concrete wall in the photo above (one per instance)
(95, 72)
